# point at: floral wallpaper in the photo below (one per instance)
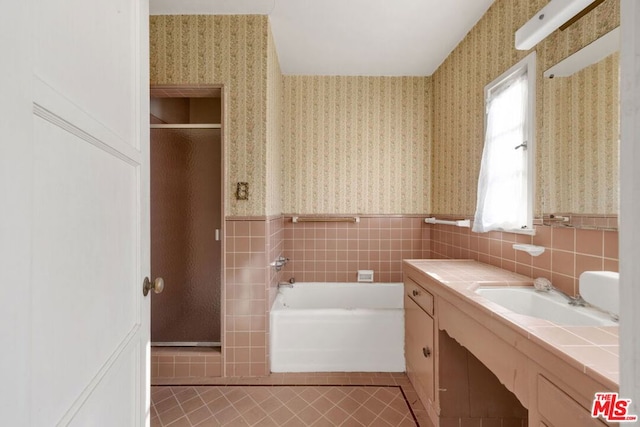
(581, 130)
(386, 145)
(356, 144)
(230, 50)
(458, 105)
(580, 123)
(275, 94)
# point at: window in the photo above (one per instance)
(505, 185)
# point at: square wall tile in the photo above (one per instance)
(569, 251)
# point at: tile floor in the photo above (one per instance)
(323, 399)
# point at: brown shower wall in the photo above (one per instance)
(185, 211)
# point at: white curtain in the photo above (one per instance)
(502, 186)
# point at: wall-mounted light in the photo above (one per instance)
(588, 55)
(547, 20)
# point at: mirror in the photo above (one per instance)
(581, 133)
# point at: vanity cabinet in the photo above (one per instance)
(558, 409)
(439, 313)
(420, 341)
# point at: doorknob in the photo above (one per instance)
(157, 285)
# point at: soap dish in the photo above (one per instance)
(532, 250)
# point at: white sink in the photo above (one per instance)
(550, 306)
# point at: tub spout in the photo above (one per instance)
(285, 285)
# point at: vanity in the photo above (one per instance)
(552, 371)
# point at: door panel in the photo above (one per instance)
(89, 323)
(122, 380)
(93, 58)
(74, 239)
(85, 255)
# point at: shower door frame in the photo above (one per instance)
(209, 91)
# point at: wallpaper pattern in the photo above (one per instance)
(373, 144)
(581, 128)
(356, 144)
(578, 171)
(230, 50)
(275, 93)
(458, 89)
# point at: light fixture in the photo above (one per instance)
(588, 55)
(547, 20)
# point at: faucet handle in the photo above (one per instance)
(279, 263)
(578, 301)
(542, 284)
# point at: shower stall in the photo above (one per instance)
(186, 217)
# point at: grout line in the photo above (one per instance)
(404, 396)
(400, 387)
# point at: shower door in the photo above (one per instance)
(186, 250)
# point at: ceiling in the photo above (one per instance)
(352, 37)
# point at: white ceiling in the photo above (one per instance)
(352, 37)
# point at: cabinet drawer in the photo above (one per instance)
(560, 410)
(423, 298)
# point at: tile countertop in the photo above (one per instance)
(591, 349)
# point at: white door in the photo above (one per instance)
(74, 212)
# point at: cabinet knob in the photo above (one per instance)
(416, 293)
(426, 351)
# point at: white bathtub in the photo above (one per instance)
(338, 327)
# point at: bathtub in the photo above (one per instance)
(338, 327)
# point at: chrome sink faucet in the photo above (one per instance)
(544, 285)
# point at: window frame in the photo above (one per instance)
(528, 64)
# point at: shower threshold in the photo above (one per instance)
(185, 344)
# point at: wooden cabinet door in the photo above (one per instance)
(419, 351)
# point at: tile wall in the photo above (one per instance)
(334, 252)
(569, 251)
(172, 362)
(275, 248)
(245, 320)
(251, 244)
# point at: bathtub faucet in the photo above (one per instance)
(285, 285)
(279, 263)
